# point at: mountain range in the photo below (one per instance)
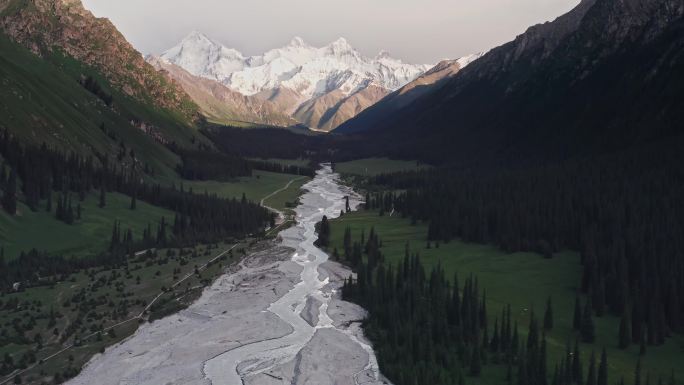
(319, 87)
(600, 78)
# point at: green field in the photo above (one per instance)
(523, 280)
(375, 166)
(287, 162)
(255, 187)
(286, 199)
(90, 235)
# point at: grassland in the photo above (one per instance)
(286, 199)
(90, 303)
(255, 187)
(41, 101)
(287, 162)
(523, 280)
(375, 166)
(90, 235)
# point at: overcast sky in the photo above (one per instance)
(417, 31)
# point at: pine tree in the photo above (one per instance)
(577, 319)
(161, 232)
(577, 364)
(587, 328)
(625, 334)
(476, 362)
(602, 378)
(48, 206)
(642, 345)
(103, 196)
(9, 200)
(548, 315)
(522, 371)
(591, 375)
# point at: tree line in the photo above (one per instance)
(200, 217)
(206, 164)
(426, 329)
(624, 213)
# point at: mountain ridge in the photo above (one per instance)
(301, 76)
(44, 26)
(221, 104)
(594, 79)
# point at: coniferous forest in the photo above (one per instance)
(49, 175)
(426, 328)
(622, 211)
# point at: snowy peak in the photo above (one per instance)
(202, 56)
(297, 42)
(465, 60)
(339, 46)
(321, 86)
(383, 55)
(298, 66)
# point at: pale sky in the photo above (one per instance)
(416, 31)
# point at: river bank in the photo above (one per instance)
(277, 318)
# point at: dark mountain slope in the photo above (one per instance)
(606, 75)
(72, 81)
(41, 103)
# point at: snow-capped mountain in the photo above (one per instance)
(299, 76)
(308, 70)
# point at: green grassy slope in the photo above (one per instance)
(524, 280)
(113, 296)
(88, 236)
(255, 187)
(42, 101)
(375, 166)
(286, 199)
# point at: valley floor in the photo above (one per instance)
(523, 280)
(274, 317)
(53, 330)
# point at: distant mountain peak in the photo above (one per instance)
(298, 66)
(297, 42)
(341, 45)
(196, 34)
(297, 69)
(383, 54)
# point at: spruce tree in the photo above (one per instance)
(587, 327)
(591, 375)
(103, 197)
(625, 334)
(577, 364)
(9, 199)
(548, 315)
(577, 318)
(476, 362)
(602, 378)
